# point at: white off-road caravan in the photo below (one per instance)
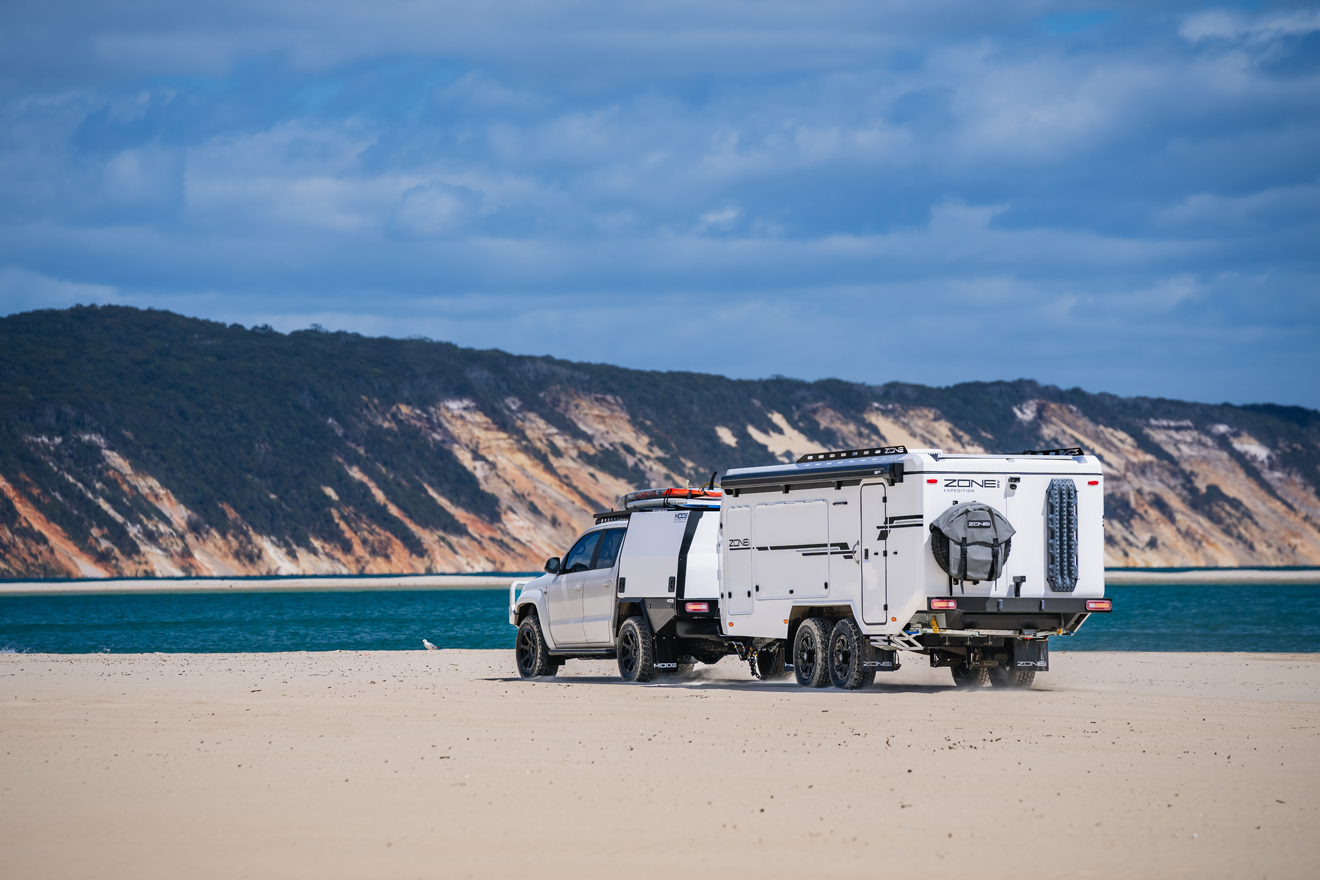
(851, 557)
(640, 586)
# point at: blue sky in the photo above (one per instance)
(1124, 197)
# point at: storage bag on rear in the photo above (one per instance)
(971, 541)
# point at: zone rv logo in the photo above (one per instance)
(956, 483)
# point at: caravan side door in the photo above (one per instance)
(736, 575)
(874, 544)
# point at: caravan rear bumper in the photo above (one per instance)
(982, 605)
(990, 619)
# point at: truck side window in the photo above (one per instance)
(609, 548)
(579, 558)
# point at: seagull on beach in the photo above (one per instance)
(429, 646)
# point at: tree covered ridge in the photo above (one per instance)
(254, 427)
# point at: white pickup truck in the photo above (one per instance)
(640, 586)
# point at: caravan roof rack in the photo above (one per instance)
(1070, 450)
(853, 453)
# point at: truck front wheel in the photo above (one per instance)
(531, 651)
(636, 651)
(811, 664)
(849, 653)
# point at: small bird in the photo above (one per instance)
(429, 646)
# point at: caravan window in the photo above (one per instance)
(579, 558)
(609, 548)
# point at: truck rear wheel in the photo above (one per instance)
(1008, 677)
(636, 651)
(970, 676)
(531, 651)
(811, 665)
(849, 651)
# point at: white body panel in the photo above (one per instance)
(879, 558)
(650, 564)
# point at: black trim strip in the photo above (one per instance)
(794, 547)
(689, 532)
(998, 474)
(894, 519)
(814, 474)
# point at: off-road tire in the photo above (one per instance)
(811, 666)
(849, 652)
(970, 677)
(636, 650)
(770, 663)
(1005, 676)
(531, 652)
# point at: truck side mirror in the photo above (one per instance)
(552, 565)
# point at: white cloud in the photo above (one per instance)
(1223, 24)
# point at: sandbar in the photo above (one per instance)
(445, 764)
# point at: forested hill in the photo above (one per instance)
(135, 442)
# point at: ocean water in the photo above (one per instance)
(1254, 618)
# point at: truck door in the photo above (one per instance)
(598, 590)
(875, 536)
(564, 599)
(736, 576)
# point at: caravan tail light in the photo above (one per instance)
(943, 604)
(1099, 604)
(932, 481)
(697, 607)
(1093, 482)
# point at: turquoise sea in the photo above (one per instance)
(1145, 618)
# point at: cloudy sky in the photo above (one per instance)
(1124, 197)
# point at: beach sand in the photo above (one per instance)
(444, 764)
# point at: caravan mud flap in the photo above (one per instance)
(882, 661)
(1031, 654)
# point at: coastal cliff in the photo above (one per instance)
(145, 443)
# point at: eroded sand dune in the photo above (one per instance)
(444, 764)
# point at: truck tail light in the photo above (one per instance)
(697, 607)
(1099, 604)
(943, 604)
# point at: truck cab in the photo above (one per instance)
(640, 586)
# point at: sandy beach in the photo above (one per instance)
(445, 764)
